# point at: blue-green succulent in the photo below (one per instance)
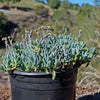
(50, 54)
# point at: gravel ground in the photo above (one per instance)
(87, 93)
(5, 93)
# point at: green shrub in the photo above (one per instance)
(3, 22)
(57, 14)
(54, 4)
(83, 12)
(66, 4)
(42, 11)
(6, 28)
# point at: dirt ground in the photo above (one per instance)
(82, 92)
(5, 92)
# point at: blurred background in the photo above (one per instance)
(61, 15)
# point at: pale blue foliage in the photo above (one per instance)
(47, 55)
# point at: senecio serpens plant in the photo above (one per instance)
(48, 54)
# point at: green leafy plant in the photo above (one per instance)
(3, 22)
(42, 11)
(54, 4)
(57, 14)
(48, 54)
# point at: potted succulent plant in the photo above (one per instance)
(45, 68)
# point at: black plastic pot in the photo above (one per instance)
(40, 86)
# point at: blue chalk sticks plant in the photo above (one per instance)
(49, 54)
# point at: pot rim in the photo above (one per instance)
(23, 73)
(29, 73)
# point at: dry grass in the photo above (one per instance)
(88, 76)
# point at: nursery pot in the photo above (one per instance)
(40, 86)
